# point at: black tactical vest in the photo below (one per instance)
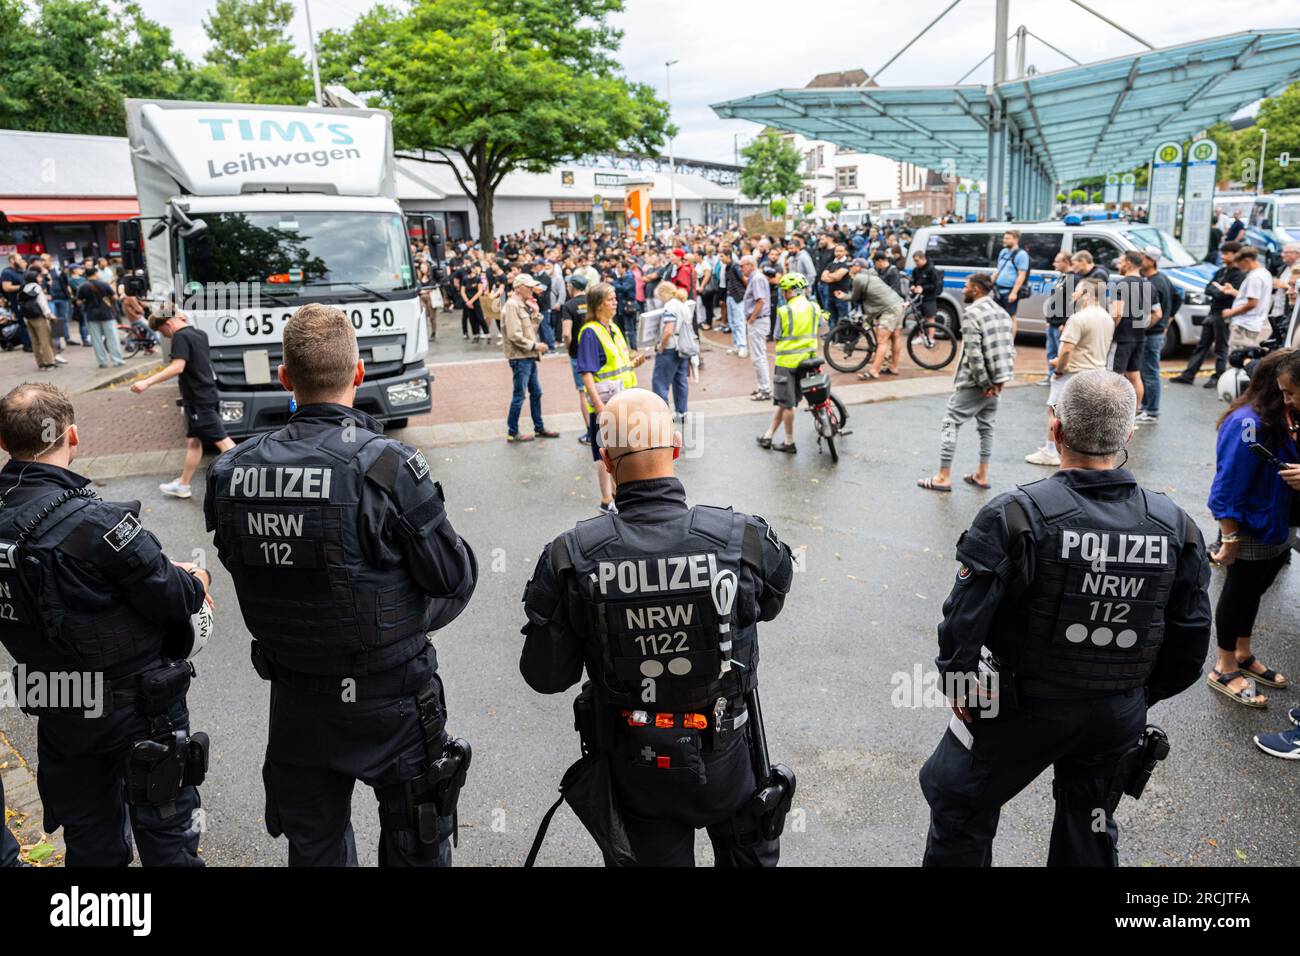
(671, 614)
(1103, 570)
(37, 627)
(287, 510)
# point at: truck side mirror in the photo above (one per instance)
(195, 229)
(129, 235)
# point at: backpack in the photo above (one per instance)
(687, 343)
(29, 301)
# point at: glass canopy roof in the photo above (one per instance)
(1081, 121)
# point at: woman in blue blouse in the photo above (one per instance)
(1251, 499)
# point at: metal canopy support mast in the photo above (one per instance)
(997, 161)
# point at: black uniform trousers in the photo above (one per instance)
(8, 845)
(80, 780)
(1081, 739)
(661, 814)
(322, 743)
(1214, 338)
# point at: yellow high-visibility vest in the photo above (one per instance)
(797, 332)
(618, 363)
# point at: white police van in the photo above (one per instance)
(1277, 216)
(960, 249)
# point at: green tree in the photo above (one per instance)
(808, 208)
(1280, 115)
(494, 86)
(778, 207)
(771, 167)
(251, 46)
(69, 63)
(833, 206)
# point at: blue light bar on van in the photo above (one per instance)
(1078, 218)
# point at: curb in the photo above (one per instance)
(23, 814)
(102, 469)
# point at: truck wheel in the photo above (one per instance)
(948, 316)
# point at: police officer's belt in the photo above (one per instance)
(390, 682)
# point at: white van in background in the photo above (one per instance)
(964, 248)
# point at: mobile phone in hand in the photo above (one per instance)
(1267, 455)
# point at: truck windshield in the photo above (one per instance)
(1174, 253)
(298, 253)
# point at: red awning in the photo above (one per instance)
(68, 210)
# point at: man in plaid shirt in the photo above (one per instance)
(987, 363)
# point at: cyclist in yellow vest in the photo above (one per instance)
(797, 325)
(606, 365)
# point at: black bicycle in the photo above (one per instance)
(852, 343)
(828, 412)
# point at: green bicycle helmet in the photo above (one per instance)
(793, 280)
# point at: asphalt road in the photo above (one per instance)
(877, 566)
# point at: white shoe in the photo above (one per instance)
(1146, 418)
(175, 489)
(743, 353)
(1043, 456)
(60, 360)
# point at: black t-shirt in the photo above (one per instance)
(1137, 297)
(1163, 295)
(844, 284)
(575, 311)
(198, 383)
(96, 300)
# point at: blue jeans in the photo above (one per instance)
(524, 372)
(736, 319)
(545, 330)
(1151, 372)
(1053, 347)
(671, 368)
(103, 336)
(839, 309)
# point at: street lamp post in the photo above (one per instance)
(672, 163)
(311, 45)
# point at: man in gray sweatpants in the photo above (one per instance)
(758, 317)
(987, 363)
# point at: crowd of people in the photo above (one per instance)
(46, 299)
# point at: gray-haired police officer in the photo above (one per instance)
(89, 603)
(660, 603)
(343, 561)
(1085, 594)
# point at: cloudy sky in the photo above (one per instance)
(728, 49)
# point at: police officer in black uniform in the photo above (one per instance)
(660, 603)
(1080, 601)
(344, 560)
(88, 599)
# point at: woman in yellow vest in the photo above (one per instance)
(606, 365)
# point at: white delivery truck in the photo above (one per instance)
(248, 212)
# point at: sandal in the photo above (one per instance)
(867, 375)
(1246, 696)
(889, 371)
(1268, 677)
(972, 480)
(929, 484)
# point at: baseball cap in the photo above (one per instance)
(1151, 252)
(524, 279)
(863, 263)
(578, 281)
(679, 253)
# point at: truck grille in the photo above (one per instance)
(228, 362)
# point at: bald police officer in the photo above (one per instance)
(660, 603)
(90, 604)
(1080, 601)
(344, 561)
